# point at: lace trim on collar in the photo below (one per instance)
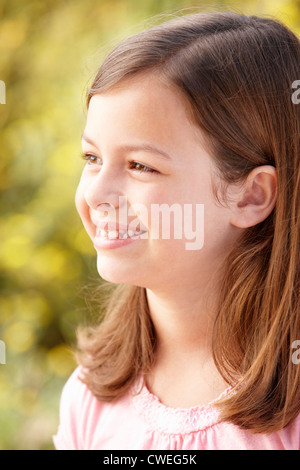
(174, 420)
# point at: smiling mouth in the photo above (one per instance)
(119, 234)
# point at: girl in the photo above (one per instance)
(197, 345)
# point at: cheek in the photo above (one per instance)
(84, 211)
(80, 202)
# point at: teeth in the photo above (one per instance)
(113, 234)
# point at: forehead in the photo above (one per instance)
(145, 107)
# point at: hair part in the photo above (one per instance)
(235, 72)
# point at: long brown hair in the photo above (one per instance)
(236, 73)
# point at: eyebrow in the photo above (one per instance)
(143, 146)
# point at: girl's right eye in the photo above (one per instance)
(91, 159)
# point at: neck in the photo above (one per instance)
(183, 314)
(183, 322)
(184, 373)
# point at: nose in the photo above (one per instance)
(103, 189)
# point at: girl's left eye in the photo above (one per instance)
(141, 168)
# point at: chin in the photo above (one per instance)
(117, 273)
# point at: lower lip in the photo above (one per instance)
(103, 243)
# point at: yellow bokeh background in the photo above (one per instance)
(49, 52)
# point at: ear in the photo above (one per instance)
(256, 198)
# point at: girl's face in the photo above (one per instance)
(145, 196)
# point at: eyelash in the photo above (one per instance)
(91, 160)
(146, 169)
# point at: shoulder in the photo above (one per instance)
(292, 433)
(76, 403)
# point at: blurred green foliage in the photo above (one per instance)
(49, 51)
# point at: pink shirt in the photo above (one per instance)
(140, 421)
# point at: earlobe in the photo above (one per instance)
(256, 198)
